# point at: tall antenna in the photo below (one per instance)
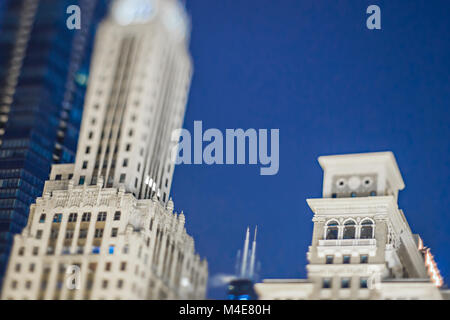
(245, 254)
(252, 259)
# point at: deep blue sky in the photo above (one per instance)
(313, 70)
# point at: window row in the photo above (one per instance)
(345, 283)
(346, 259)
(57, 217)
(349, 229)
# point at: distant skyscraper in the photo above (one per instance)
(43, 71)
(108, 214)
(362, 246)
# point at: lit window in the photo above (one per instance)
(95, 250)
(111, 249)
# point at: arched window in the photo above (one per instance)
(332, 230)
(366, 229)
(349, 229)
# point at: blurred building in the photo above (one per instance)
(362, 246)
(109, 214)
(43, 71)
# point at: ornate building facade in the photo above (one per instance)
(105, 226)
(362, 246)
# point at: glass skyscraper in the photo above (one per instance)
(43, 73)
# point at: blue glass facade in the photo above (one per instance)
(42, 87)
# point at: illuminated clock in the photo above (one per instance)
(134, 11)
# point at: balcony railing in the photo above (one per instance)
(348, 242)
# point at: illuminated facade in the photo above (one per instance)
(109, 213)
(362, 246)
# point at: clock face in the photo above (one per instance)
(134, 11)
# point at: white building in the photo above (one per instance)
(362, 246)
(105, 227)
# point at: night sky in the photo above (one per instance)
(313, 70)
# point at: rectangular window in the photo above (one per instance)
(73, 217)
(346, 259)
(85, 165)
(98, 233)
(326, 283)
(363, 283)
(114, 232)
(83, 233)
(86, 216)
(88, 150)
(57, 217)
(125, 163)
(345, 283)
(95, 250)
(58, 177)
(39, 234)
(122, 178)
(364, 258)
(69, 234)
(329, 260)
(82, 178)
(117, 215)
(42, 218)
(108, 266)
(101, 216)
(111, 249)
(123, 266)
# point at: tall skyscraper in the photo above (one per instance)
(362, 246)
(108, 215)
(43, 71)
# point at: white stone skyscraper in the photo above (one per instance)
(138, 89)
(362, 246)
(105, 227)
